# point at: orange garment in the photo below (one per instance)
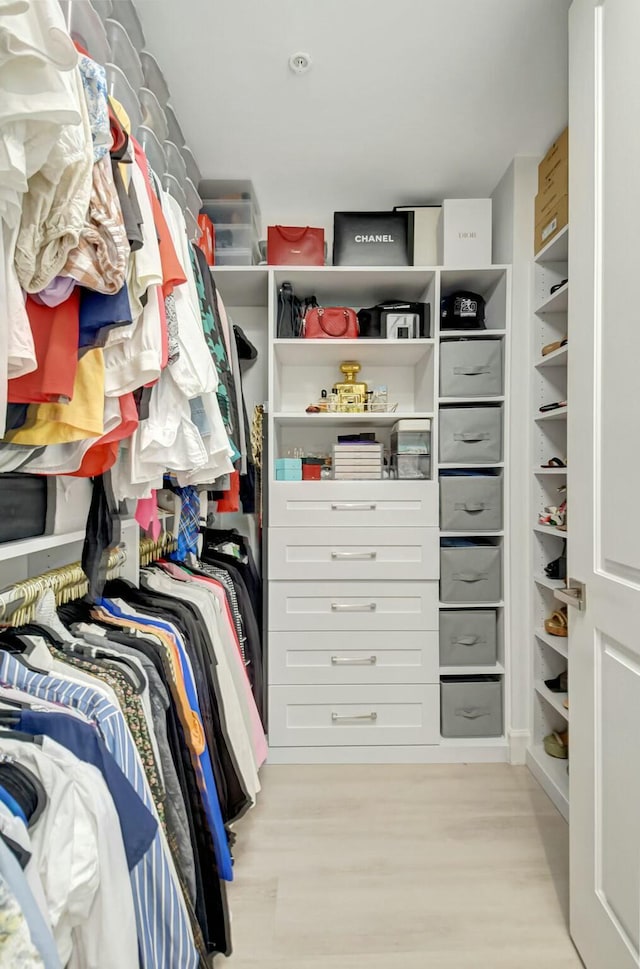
(102, 455)
(230, 500)
(194, 733)
(55, 332)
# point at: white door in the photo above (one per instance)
(604, 480)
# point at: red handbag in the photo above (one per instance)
(292, 246)
(330, 323)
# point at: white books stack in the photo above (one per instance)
(357, 461)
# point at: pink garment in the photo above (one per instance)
(258, 740)
(147, 515)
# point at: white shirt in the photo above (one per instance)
(78, 847)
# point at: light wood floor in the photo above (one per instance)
(403, 867)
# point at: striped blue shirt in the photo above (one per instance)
(164, 933)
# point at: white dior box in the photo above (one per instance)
(465, 233)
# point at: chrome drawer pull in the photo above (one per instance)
(336, 718)
(353, 607)
(354, 555)
(353, 506)
(353, 661)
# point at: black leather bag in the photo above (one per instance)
(374, 320)
(23, 506)
(289, 314)
(462, 310)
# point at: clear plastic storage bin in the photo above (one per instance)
(234, 257)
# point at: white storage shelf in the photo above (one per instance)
(557, 302)
(324, 353)
(558, 643)
(553, 699)
(557, 250)
(560, 414)
(550, 654)
(557, 358)
(363, 600)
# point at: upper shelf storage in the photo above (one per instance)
(364, 286)
(557, 250)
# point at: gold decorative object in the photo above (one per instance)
(352, 394)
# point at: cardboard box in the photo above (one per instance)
(552, 223)
(553, 189)
(557, 154)
(465, 233)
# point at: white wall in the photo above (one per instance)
(513, 230)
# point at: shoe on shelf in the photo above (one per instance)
(558, 625)
(554, 463)
(554, 515)
(552, 347)
(557, 744)
(559, 683)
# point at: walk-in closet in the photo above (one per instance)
(319, 538)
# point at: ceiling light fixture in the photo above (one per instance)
(300, 62)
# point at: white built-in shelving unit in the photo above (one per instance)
(361, 682)
(549, 436)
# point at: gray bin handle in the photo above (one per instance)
(470, 576)
(470, 371)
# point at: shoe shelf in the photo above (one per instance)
(558, 358)
(550, 530)
(558, 643)
(553, 699)
(559, 414)
(552, 775)
(549, 655)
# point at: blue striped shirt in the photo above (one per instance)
(164, 933)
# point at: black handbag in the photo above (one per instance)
(384, 320)
(462, 311)
(289, 324)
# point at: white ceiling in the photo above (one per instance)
(406, 101)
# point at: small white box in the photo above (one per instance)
(465, 233)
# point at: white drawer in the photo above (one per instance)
(354, 553)
(328, 606)
(344, 657)
(357, 503)
(336, 716)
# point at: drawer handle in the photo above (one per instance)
(354, 555)
(472, 437)
(470, 371)
(353, 606)
(337, 718)
(471, 713)
(353, 661)
(467, 641)
(353, 506)
(470, 506)
(470, 576)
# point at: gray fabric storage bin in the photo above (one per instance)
(472, 434)
(468, 637)
(470, 503)
(471, 368)
(471, 706)
(471, 574)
